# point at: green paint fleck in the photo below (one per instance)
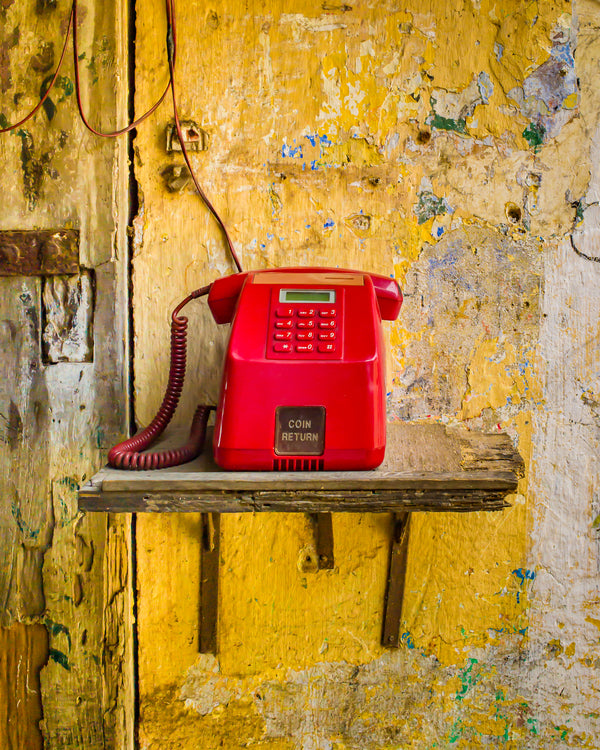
(55, 628)
(447, 123)
(66, 84)
(70, 482)
(534, 135)
(467, 678)
(25, 529)
(596, 523)
(429, 205)
(456, 732)
(3, 121)
(532, 726)
(59, 658)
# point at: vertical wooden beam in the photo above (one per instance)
(392, 613)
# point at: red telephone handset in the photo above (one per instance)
(303, 384)
(223, 296)
(224, 293)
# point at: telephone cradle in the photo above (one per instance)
(303, 384)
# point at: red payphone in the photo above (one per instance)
(303, 380)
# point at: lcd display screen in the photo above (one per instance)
(307, 295)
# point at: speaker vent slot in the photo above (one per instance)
(298, 464)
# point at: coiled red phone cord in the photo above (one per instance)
(126, 455)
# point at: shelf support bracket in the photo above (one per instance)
(323, 533)
(394, 595)
(209, 582)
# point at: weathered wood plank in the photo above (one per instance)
(62, 573)
(352, 501)
(457, 477)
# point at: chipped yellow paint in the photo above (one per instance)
(492, 379)
(386, 140)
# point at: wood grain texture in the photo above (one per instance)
(426, 468)
(60, 573)
(23, 652)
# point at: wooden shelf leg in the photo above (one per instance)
(209, 583)
(323, 531)
(392, 612)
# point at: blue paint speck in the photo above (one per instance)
(329, 224)
(524, 574)
(293, 152)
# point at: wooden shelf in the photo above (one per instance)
(427, 468)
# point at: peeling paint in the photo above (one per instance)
(457, 161)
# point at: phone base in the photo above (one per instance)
(334, 460)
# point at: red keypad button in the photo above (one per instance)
(284, 312)
(327, 324)
(305, 347)
(282, 347)
(284, 323)
(327, 312)
(305, 336)
(308, 313)
(305, 324)
(283, 336)
(327, 336)
(327, 347)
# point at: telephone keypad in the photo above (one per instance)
(295, 328)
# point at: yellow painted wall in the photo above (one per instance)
(444, 143)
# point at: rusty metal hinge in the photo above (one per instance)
(43, 252)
